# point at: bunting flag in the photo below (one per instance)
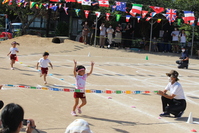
(118, 17)
(120, 6)
(198, 22)
(98, 14)
(179, 21)
(19, 4)
(157, 9)
(107, 16)
(70, 1)
(60, 5)
(192, 23)
(144, 13)
(153, 14)
(66, 10)
(10, 2)
(55, 0)
(77, 11)
(185, 20)
(45, 5)
(137, 8)
(171, 15)
(32, 4)
(148, 18)
(36, 6)
(132, 13)
(138, 17)
(79, 1)
(40, 5)
(86, 2)
(113, 8)
(53, 7)
(5, 1)
(103, 3)
(189, 15)
(159, 20)
(128, 18)
(86, 13)
(95, 3)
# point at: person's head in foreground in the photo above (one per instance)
(14, 44)
(78, 126)
(45, 55)
(12, 116)
(1, 104)
(173, 76)
(80, 70)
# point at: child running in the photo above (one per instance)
(13, 51)
(44, 65)
(80, 75)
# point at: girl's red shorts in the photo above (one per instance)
(79, 95)
(44, 70)
(13, 57)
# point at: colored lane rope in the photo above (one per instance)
(87, 91)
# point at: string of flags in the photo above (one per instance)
(87, 91)
(135, 11)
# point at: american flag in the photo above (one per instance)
(171, 15)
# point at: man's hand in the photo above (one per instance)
(92, 63)
(75, 62)
(30, 126)
(160, 93)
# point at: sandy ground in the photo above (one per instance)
(114, 70)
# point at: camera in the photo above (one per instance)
(25, 122)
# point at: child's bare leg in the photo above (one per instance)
(45, 78)
(11, 63)
(1, 86)
(83, 102)
(76, 103)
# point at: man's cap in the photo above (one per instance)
(173, 74)
(15, 43)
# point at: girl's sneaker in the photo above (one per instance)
(79, 110)
(73, 113)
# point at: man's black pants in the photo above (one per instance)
(173, 106)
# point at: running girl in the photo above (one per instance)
(80, 75)
(13, 51)
(44, 65)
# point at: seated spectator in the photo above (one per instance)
(78, 126)
(12, 117)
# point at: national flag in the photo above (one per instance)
(103, 3)
(107, 16)
(179, 21)
(137, 8)
(45, 5)
(120, 6)
(37, 6)
(77, 11)
(113, 7)
(55, 0)
(185, 20)
(138, 17)
(32, 4)
(79, 1)
(25, 4)
(148, 18)
(128, 18)
(98, 14)
(10, 2)
(66, 10)
(86, 13)
(60, 5)
(153, 14)
(132, 13)
(94, 3)
(157, 9)
(159, 20)
(19, 4)
(198, 22)
(171, 15)
(118, 17)
(40, 5)
(86, 2)
(192, 23)
(70, 1)
(54, 7)
(189, 15)
(5, 1)
(144, 13)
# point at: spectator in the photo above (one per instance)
(12, 117)
(184, 59)
(118, 35)
(182, 36)
(110, 32)
(128, 35)
(85, 32)
(78, 126)
(154, 45)
(198, 54)
(143, 43)
(175, 46)
(102, 35)
(93, 33)
(174, 103)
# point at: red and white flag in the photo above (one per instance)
(107, 16)
(144, 13)
(157, 9)
(103, 3)
(189, 15)
(198, 22)
(86, 13)
(66, 10)
(55, 0)
(132, 13)
(79, 1)
(192, 22)
(128, 18)
(185, 20)
(98, 14)
(70, 1)
(60, 5)
(148, 18)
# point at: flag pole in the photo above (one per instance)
(151, 32)
(192, 40)
(95, 32)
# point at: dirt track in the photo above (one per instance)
(114, 70)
